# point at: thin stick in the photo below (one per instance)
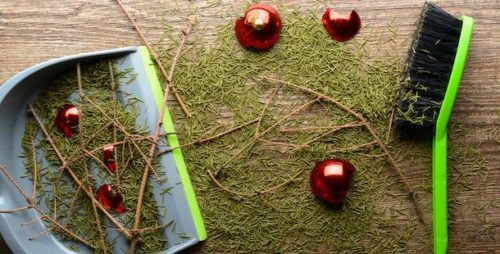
(367, 126)
(305, 105)
(389, 127)
(31, 222)
(264, 132)
(39, 234)
(156, 135)
(251, 194)
(279, 143)
(263, 112)
(65, 230)
(54, 214)
(16, 185)
(85, 166)
(35, 169)
(44, 216)
(267, 203)
(124, 164)
(349, 125)
(77, 155)
(207, 139)
(171, 222)
(168, 77)
(353, 148)
(113, 86)
(321, 128)
(317, 94)
(122, 128)
(99, 161)
(74, 176)
(282, 184)
(72, 207)
(372, 155)
(99, 148)
(227, 189)
(17, 209)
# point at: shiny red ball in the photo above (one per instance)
(341, 27)
(67, 119)
(109, 199)
(260, 28)
(330, 180)
(108, 153)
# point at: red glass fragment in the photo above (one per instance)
(330, 180)
(109, 158)
(260, 28)
(67, 119)
(110, 199)
(341, 27)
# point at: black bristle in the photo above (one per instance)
(427, 72)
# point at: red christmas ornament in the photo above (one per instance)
(109, 158)
(67, 118)
(110, 200)
(330, 180)
(260, 27)
(341, 27)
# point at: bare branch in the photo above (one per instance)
(74, 176)
(368, 127)
(168, 77)
(210, 138)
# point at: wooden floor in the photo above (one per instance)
(35, 31)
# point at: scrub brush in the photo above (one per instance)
(428, 89)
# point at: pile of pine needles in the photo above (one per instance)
(275, 111)
(252, 127)
(62, 168)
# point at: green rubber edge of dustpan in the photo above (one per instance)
(173, 141)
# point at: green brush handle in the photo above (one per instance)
(439, 178)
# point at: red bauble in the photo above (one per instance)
(110, 200)
(341, 27)
(330, 180)
(67, 118)
(108, 153)
(260, 28)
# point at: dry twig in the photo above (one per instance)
(268, 104)
(43, 215)
(210, 138)
(85, 166)
(168, 77)
(124, 131)
(279, 143)
(251, 194)
(368, 127)
(339, 128)
(35, 168)
(15, 210)
(252, 143)
(156, 135)
(321, 128)
(73, 176)
(353, 148)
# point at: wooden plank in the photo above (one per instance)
(34, 31)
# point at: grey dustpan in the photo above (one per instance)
(24, 87)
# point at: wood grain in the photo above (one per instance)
(35, 31)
